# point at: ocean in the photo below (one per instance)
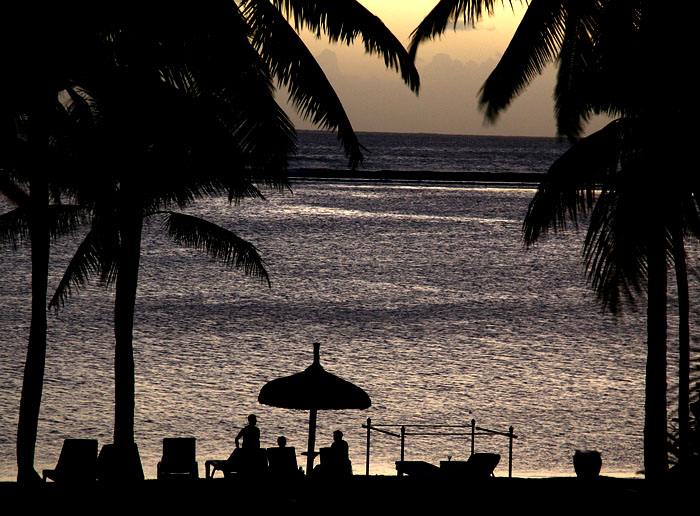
(432, 152)
(420, 292)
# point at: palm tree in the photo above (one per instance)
(33, 164)
(601, 48)
(35, 202)
(37, 223)
(158, 148)
(203, 121)
(623, 259)
(218, 53)
(30, 135)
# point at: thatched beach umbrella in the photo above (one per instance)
(313, 389)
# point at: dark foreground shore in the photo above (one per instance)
(359, 494)
(410, 175)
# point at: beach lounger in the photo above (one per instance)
(332, 464)
(479, 466)
(417, 468)
(245, 461)
(76, 463)
(119, 464)
(178, 459)
(212, 466)
(282, 462)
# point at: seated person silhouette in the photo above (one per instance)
(334, 459)
(282, 460)
(339, 446)
(248, 457)
(250, 434)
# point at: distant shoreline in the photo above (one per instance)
(523, 178)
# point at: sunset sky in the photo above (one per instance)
(452, 70)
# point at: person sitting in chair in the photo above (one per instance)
(250, 434)
(334, 459)
(248, 457)
(339, 446)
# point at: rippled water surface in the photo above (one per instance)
(432, 152)
(422, 294)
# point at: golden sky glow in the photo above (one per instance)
(402, 16)
(488, 40)
(452, 69)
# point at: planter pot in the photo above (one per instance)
(587, 463)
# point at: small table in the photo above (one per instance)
(215, 465)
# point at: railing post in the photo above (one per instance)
(510, 453)
(403, 447)
(369, 428)
(473, 432)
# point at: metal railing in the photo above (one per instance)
(473, 432)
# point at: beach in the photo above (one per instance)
(374, 495)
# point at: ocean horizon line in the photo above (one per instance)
(427, 133)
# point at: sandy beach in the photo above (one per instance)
(373, 494)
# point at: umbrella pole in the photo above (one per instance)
(312, 442)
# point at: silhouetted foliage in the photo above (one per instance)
(159, 104)
(646, 201)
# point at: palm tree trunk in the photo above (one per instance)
(130, 228)
(33, 381)
(655, 430)
(683, 347)
(125, 464)
(39, 235)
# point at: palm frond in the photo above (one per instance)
(235, 139)
(624, 222)
(691, 211)
(296, 68)
(219, 243)
(346, 20)
(450, 12)
(568, 190)
(81, 107)
(12, 189)
(204, 115)
(62, 220)
(620, 62)
(570, 106)
(535, 44)
(233, 84)
(598, 65)
(65, 218)
(96, 256)
(189, 142)
(14, 227)
(615, 253)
